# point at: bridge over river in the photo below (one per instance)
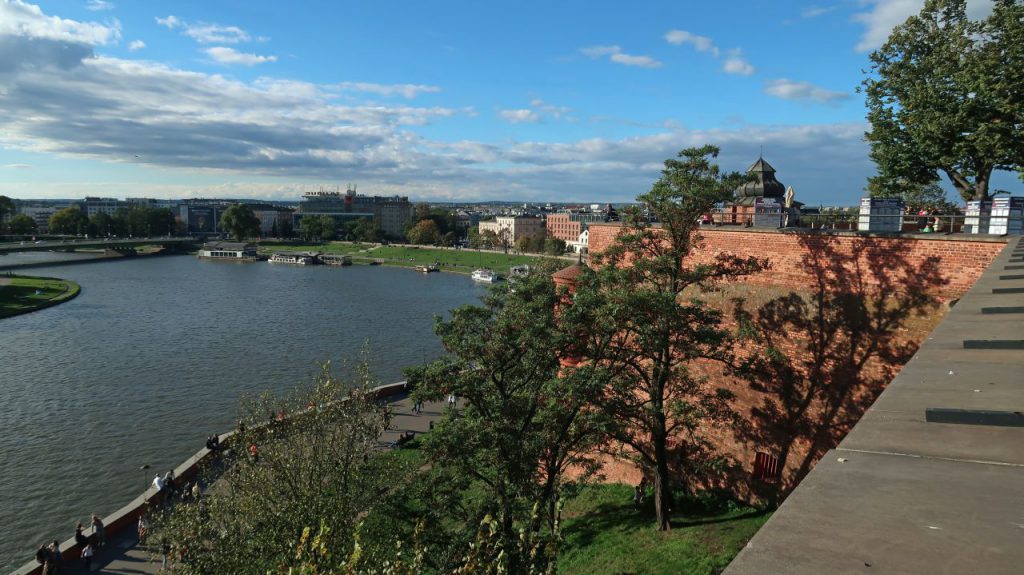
(116, 244)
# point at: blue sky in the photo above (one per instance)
(445, 101)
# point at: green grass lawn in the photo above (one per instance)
(464, 261)
(21, 294)
(604, 534)
(330, 247)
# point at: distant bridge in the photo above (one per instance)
(103, 243)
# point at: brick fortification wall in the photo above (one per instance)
(959, 260)
(890, 292)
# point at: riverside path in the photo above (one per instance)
(123, 555)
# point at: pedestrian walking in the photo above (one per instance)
(165, 554)
(87, 553)
(417, 407)
(451, 401)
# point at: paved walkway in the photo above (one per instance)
(123, 555)
(931, 480)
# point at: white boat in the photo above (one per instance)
(484, 275)
(296, 259)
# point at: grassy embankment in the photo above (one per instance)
(603, 533)
(22, 294)
(451, 260)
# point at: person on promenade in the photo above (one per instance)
(254, 453)
(195, 491)
(451, 401)
(143, 528)
(44, 559)
(56, 559)
(99, 531)
(80, 537)
(417, 407)
(87, 553)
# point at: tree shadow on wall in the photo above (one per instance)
(820, 360)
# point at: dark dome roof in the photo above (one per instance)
(766, 186)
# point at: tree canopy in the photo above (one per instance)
(68, 221)
(21, 224)
(944, 95)
(425, 232)
(640, 325)
(240, 221)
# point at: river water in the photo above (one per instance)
(153, 356)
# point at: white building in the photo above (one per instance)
(515, 227)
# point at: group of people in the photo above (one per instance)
(51, 558)
(927, 222)
(168, 488)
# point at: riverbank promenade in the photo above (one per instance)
(931, 478)
(123, 555)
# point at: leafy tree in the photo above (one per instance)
(328, 227)
(641, 323)
(945, 96)
(68, 221)
(523, 423)
(523, 244)
(101, 224)
(504, 239)
(21, 224)
(449, 239)
(918, 196)
(240, 221)
(309, 228)
(473, 238)
(554, 246)
(425, 232)
(6, 209)
(320, 465)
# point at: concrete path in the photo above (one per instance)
(931, 480)
(124, 556)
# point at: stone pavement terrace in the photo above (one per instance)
(123, 555)
(931, 480)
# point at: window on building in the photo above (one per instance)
(766, 467)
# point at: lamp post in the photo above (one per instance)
(145, 476)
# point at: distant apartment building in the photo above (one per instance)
(390, 213)
(515, 226)
(91, 206)
(568, 226)
(274, 220)
(41, 214)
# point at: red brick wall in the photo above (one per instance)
(959, 261)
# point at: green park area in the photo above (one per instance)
(22, 294)
(450, 259)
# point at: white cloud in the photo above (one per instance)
(884, 15)
(21, 20)
(407, 91)
(791, 90)
(813, 11)
(171, 22)
(99, 5)
(17, 166)
(205, 33)
(701, 43)
(736, 64)
(615, 54)
(266, 138)
(224, 55)
(519, 116)
(549, 109)
(136, 45)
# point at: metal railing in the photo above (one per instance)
(906, 223)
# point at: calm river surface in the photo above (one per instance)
(153, 356)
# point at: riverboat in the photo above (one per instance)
(228, 251)
(336, 260)
(484, 275)
(428, 268)
(300, 259)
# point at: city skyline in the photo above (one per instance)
(579, 102)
